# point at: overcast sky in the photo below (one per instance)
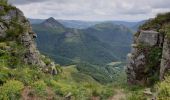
(128, 10)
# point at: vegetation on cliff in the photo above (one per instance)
(151, 58)
(24, 73)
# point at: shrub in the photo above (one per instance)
(167, 30)
(2, 13)
(40, 87)
(11, 90)
(163, 89)
(136, 96)
(27, 75)
(4, 74)
(157, 22)
(107, 92)
(14, 32)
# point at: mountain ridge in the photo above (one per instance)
(78, 24)
(70, 31)
(94, 46)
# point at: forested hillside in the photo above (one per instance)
(90, 49)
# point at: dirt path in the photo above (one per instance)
(120, 95)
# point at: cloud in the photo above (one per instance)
(19, 2)
(93, 9)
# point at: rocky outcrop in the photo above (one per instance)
(3, 28)
(165, 61)
(148, 37)
(16, 29)
(143, 64)
(149, 59)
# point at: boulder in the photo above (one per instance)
(148, 37)
(137, 63)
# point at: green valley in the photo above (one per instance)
(89, 49)
(83, 60)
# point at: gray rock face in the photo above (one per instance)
(165, 61)
(9, 16)
(3, 28)
(26, 38)
(1, 8)
(32, 55)
(138, 59)
(148, 37)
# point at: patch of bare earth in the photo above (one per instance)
(29, 94)
(95, 98)
(120, 95)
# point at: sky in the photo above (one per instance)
(93, 10)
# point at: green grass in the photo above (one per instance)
(157, 22)
(11, 90)
(70, 81)
(163, 89)
(80, 85)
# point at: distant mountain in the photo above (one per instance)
(36, 21)
(69, 23)
(90, 48)
(125, 23)
(107, 38)
(78, 24)
(52, 23)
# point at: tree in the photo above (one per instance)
(3, 1)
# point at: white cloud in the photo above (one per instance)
(130, 10)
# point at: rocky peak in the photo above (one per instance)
(52, 23)
(51, 19)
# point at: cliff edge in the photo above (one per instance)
(149, 59)
(17, 40)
